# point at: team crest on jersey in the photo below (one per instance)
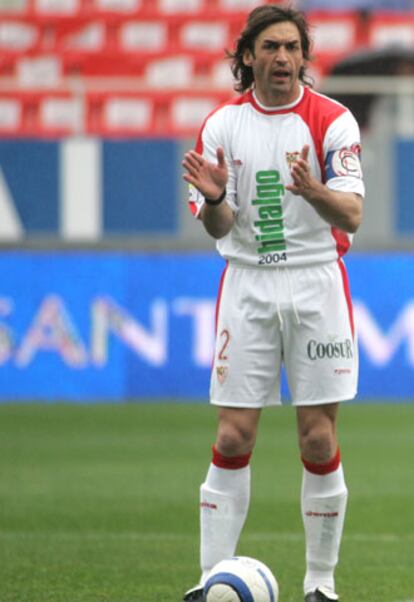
(222, 372)
(291, 158)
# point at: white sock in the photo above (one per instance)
(224, 502)
(324, 500)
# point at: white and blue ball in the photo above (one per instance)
(241, 579)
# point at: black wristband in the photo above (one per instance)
(216, 201)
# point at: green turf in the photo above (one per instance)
(99, 503)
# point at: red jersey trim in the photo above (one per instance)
(342, 241)
(318, 112)
(347, 291)
(219, 294)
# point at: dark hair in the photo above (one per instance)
(260, 18)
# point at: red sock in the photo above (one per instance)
(324, 468)
(230, 462)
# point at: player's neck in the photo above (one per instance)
(267, 101)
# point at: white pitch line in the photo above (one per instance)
(159, 536)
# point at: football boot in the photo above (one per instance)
(321, 594)
(195, 594)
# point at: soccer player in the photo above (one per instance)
(275, 177)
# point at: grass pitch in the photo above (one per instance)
(99, 503)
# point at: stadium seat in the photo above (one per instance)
(170, 72)
(179, 6)
(18, 35)
(120, 114)
(57, 7)
(142, 35)
(387, 29)
(88, 35)
(239, 5)
(335, 35)
(187, 114)
(202, 35)
(184, 114)
(82, 64)
(60, 115)
(117, 6)
(39, 71)
(10, 116)
(221, 77)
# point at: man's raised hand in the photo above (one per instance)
(209, 178)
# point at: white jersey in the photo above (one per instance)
(274, 227)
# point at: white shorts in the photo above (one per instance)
(299, 317)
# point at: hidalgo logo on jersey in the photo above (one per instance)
(344, 162)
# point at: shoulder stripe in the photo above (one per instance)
(319, 112)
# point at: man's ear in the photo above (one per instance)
(248, 57)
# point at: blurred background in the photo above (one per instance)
(107, 284)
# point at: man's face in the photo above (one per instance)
(276, 62)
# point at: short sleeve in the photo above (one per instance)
(212, 135)
(342, 152)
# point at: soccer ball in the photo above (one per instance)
(241, 579)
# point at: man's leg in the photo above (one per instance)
(225, 494)
(324, 496)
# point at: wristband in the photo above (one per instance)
(216, 201)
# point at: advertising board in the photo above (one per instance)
(115, 326)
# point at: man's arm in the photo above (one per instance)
(210, 180)
(340, 209)
(217, 220)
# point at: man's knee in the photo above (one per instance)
(318, 445)
(236, 433)
(317, 434)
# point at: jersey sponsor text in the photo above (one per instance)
(269, 192)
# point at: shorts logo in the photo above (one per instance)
(222, 372)
(339, 349)
(342, 371)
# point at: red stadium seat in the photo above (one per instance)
(11, 115)
(85, 64)
(18, 35)
(39, 71)
(117, 6)
(386, 29)
(188, 113)
(240, 5)
(334, 34)
(57, 7)
(169, 7)
(204, 35)
(142, 35)
(60, 115)
(86, 35)
(170, 72)
(40, 114)
(120, 114)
